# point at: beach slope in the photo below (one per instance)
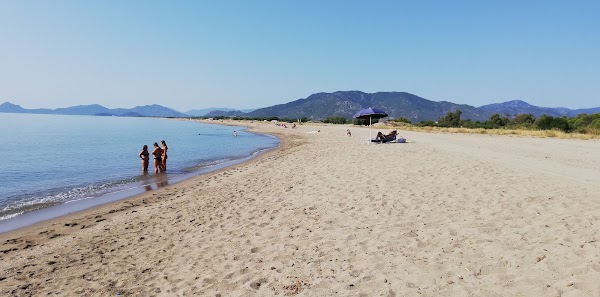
(325, 214)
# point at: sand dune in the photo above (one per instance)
(444, 215)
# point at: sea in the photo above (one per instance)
(53, 165)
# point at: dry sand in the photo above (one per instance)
(445, 215)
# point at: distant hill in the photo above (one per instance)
(515, 107)
(206, 111)
(13, 108)
(83, 110)
(95, 109)
(347, 103)
(222, 113)
(9, 107)
(322, 105)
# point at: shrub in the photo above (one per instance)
(524, 118)
(402, 120)
(364, 122)
(336, 120)
(451, 119)
(497, 121)
(426, 124)
(546, 122)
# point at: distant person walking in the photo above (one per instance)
(164, 155)
(145, 156)
(348, 133)
(234, 133)
(157, 153)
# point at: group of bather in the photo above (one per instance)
(160, 157)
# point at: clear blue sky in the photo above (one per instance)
(245, 54)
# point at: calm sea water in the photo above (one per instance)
(53, 159)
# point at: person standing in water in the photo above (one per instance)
(145, 156)
(157, 153)
(234, 133)
(164, 155)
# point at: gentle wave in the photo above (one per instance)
(27, 203)
(53, 160)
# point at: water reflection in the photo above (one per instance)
(153, 182)
(163, 182)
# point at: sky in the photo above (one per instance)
(249, 54)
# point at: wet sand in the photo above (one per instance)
(325, 214)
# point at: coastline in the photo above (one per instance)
(325, 214)
(138, 185)
(87, 213)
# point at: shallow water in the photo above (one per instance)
(53, 159)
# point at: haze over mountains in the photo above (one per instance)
(519, 107)
(322, 105)
(207, 111)
(154, 110)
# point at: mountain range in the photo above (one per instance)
(322, 105)
(98, 110)
(519, 107)
(347, 103)
(400, 104)
(207, 111)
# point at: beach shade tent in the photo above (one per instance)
(370, 113)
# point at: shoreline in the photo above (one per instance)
(326, 214)
(104, 209)
(44, 214)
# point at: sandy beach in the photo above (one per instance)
(329, 215)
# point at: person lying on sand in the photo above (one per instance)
(381, 136)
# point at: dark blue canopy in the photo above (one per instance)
(370, 113)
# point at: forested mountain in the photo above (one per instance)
(347, 103)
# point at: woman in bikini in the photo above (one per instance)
(145, 156)
(164, 155)
(157, 153)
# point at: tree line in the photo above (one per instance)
(582, 123)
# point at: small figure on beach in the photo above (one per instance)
(294, 126)
(383, 137)
(145, 156)
(234, 133)
(157, 153)
(164, 155)
(348, 133)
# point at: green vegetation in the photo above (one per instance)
(336, 120)
(401, 120)
(451, 119)
(364, 122)
(583, 123)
